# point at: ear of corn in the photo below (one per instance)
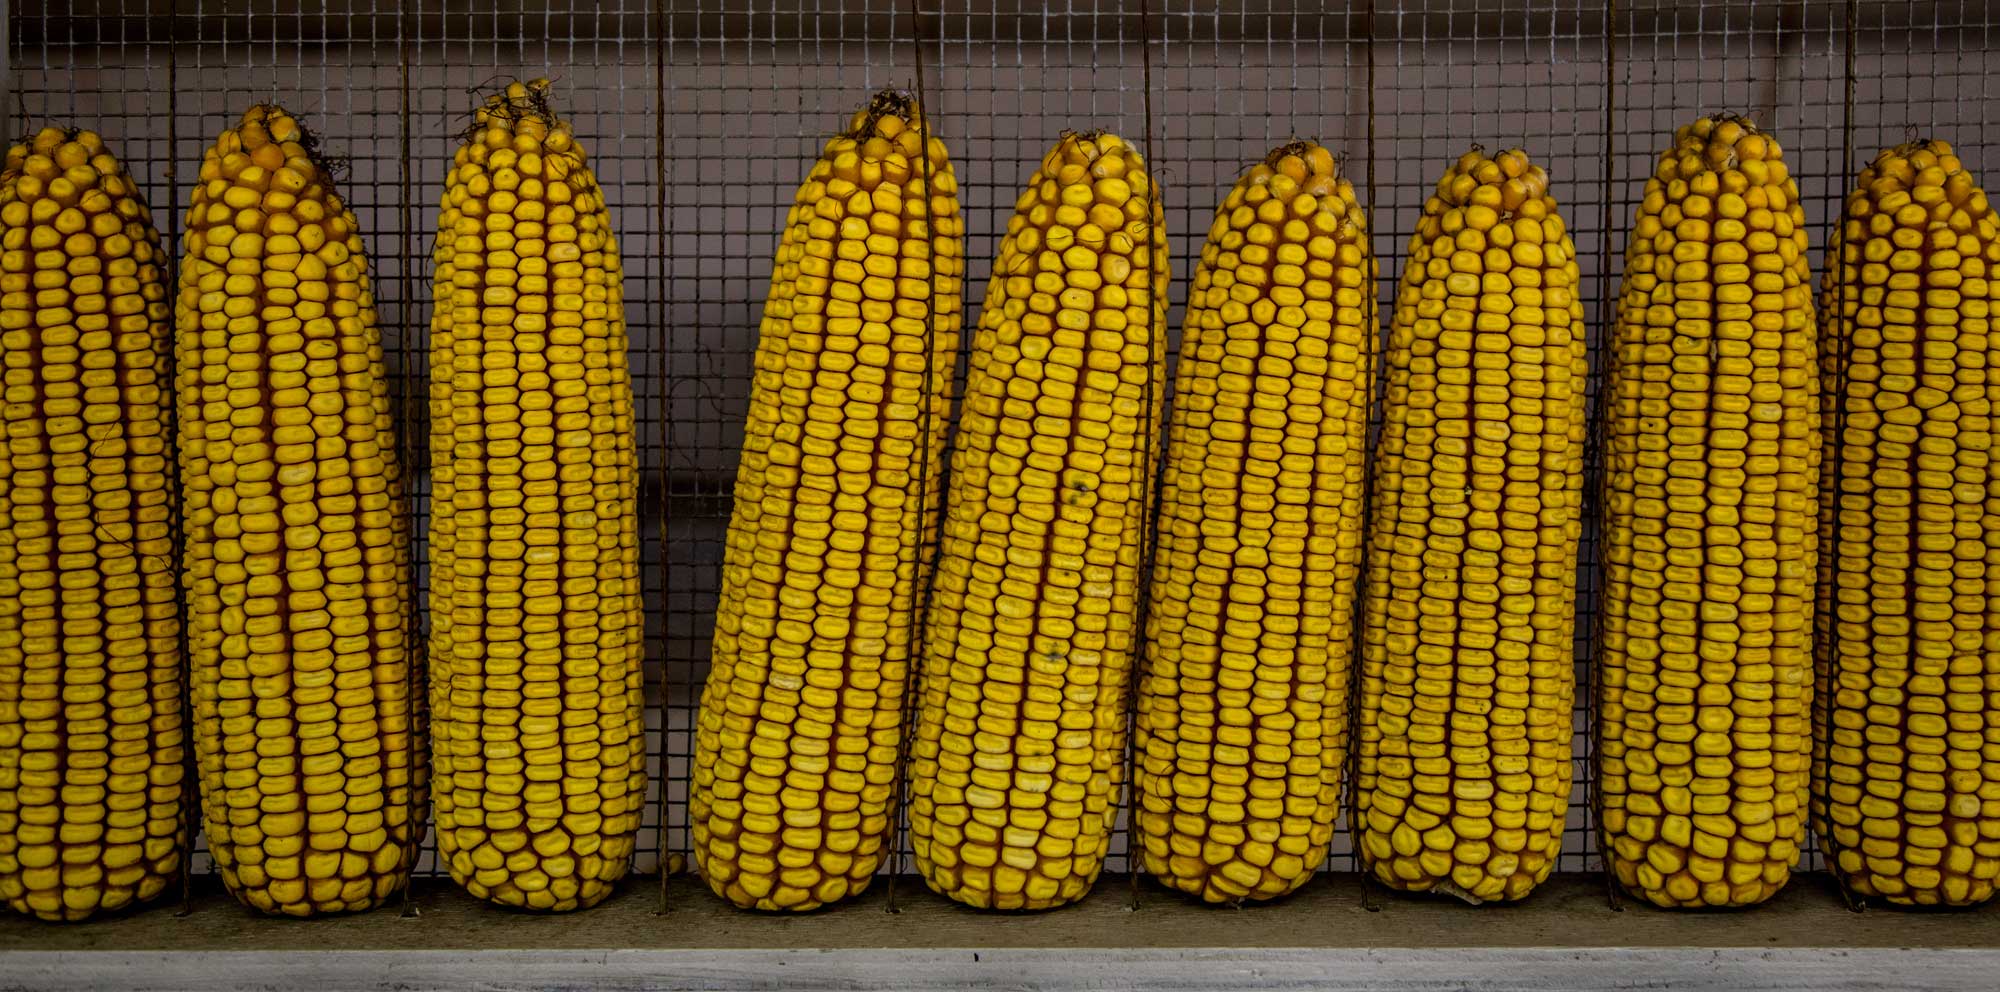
(297, 542)
(1711, 485)
(801, 722)
(91, 733)
(1019, 751)
(1906, 781)
(1469, 656)
(536, 646)
(1242, 713)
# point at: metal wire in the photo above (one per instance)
(417, 647)
(1150, 467)
(168, 214)
(920, 598)
(1588, 684)
(1833, 458)
(698, 115)
(659, 373)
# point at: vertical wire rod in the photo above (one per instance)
(661, 257)
(176, 524)
(416, 650)
(1153, 422)
(1831, 478)
(1350, 771)
(1607, 335)
(919, 596)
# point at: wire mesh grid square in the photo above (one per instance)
(701, 117)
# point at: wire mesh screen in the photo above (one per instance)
(702, 117)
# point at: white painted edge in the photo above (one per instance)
(1541, 969)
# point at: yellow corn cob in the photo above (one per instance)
(90, 678)
(297, 543)
(1469, 653)
(796, 749)
(1906, 779)
(1019, 751)
(536, 647)
(1711, 482)
(1242, 713)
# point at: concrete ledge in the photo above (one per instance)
(1326, 937)
(1206, 968)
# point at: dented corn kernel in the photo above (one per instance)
(1468, 658)
(834, 520)
(307, 732)
(1242, 712)
(1711, 489)
(91, 723)
(1019, 751)
(536, 646)
(1906, 781)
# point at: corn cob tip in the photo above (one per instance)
(1723, 141)
(1920, 162)
(270, 138)
(1302, 156)
(268, 123)
(1306, 167)
(73, 154)
(1913, 167)
(1503, 186)
(887, 105)
(1914, 144)
(1512, 163)
(1102, 155)
(1714, 121)
(48, 140)
(521, 115)
(519, 100)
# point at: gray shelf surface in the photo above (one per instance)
(1324, 937)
